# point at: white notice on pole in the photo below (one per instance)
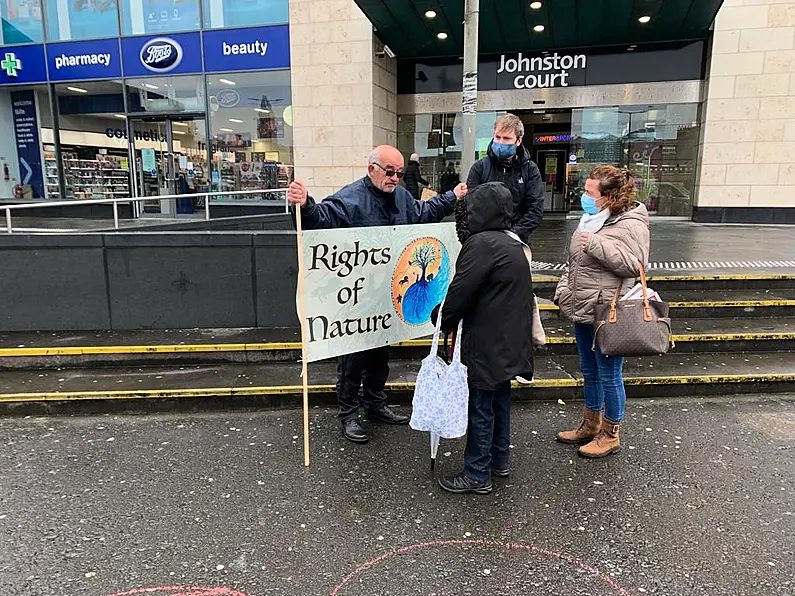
(371, 287)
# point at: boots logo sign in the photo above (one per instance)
(161, 54)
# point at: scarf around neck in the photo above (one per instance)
(593, 223)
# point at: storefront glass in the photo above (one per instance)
(166, 95)
(21, 22)
(82, 19)
(239, 13)
(160, 16)
(252, 134)
(659, 144)
(93, 136)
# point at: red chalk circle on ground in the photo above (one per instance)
(359, 576)
(180, 591)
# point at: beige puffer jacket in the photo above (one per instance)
(611, 258)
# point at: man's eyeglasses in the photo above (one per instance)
(390, 172)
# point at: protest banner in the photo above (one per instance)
(371, 287)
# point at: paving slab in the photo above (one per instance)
(700, 501)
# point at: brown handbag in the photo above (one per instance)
(633, 327)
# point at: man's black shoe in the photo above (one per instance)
(354, 431)
(501, 472)
(385, 414)
(461, 484)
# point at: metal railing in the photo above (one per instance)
(9, 228)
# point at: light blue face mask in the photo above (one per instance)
(503, 150)
(589, 205)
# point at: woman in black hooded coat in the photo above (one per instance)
(491, 291)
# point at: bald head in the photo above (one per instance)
(383, 159)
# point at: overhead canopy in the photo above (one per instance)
(508, 25)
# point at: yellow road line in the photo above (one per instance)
(325, 389)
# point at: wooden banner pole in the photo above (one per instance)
(302, 318)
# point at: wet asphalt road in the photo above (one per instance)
(700, 501)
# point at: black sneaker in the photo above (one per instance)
(501, 472)
(460, 484)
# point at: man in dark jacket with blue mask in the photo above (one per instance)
(509, 162)
(375, 200)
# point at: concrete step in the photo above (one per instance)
(696, 335)
(279, 383)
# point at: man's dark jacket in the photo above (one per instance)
(413, 178)
(362, 204)
(523, 179)
(492, 291)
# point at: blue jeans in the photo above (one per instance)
(604, 381)
(489, 432)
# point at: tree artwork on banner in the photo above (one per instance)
(420, 280)
(371, 287)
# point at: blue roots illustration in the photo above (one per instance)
(426, 289)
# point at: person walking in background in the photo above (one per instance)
(413, 177)
(375, 200)
(492, 291)
(449, 179)
(509, 162)
(605, 253)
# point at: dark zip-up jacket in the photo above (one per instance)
(413, 178)
(362, 204)
(523, 179)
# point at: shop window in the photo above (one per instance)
(252, 132)
(240, 13)
(94, 146)
(69, 20)
(21, 22)
(657, 143)
(160, 16)
(171, 95)
(436, 138)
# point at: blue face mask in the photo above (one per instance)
(503, 150)
(589, 205)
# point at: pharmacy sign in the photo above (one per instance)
(11, 64)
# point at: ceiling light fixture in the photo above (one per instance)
(226, 130)
(120, 115)
(226, 82)
(430, 14)
(78, 89)
(178, 132)
(535, 5)
(236, 121)
(148, 86)
(180, 123)
(644, 19)
(442, 35)
(262, 110)
(539, 28)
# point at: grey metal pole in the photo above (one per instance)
(469, 95)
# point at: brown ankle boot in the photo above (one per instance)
(588, 429)
(605, 443)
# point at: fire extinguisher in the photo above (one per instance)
(17, 191)
(6, 173)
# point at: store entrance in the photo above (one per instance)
(170, 159)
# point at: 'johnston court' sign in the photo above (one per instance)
(541, 71)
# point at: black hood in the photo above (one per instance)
(489, 207)
(522, 156)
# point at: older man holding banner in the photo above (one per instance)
(376, 200)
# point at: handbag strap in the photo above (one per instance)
(457, 348)
(438, 331)
(647, 316)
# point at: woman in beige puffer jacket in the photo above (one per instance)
(604, 255)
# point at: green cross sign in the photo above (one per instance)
(11, 64)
